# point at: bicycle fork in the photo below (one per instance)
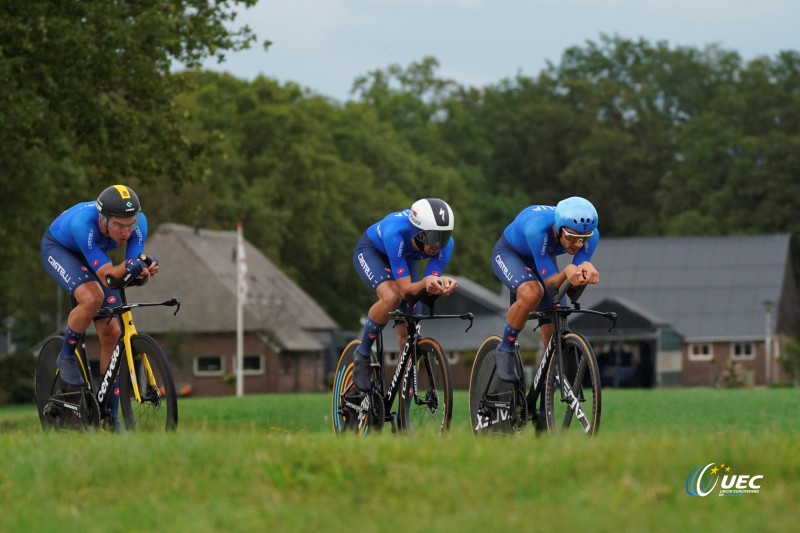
(568, 395)
(130, 331)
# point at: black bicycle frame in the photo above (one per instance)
(409, 350)
(414, 325)
(559, 317)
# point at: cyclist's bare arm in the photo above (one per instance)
(442, 285)
(588, 274)
(583, 274)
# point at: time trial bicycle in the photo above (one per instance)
(421, 379)
(148, 399)
(565, 386)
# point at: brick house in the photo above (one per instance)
(286, 333)
(691, 306)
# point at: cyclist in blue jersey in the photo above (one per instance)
(385, 258)
(524, 260)
(74, 253)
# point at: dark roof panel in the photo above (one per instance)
(705, 287)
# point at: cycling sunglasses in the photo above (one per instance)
(575, 237)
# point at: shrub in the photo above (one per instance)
(17, 372)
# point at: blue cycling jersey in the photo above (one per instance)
(392, 237)
(531, 235)
(77, 230)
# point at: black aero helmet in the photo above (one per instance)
(118, 201)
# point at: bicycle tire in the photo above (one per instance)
(582, 375)
(46, 380)
(430, 410)
(344, 418)
(159, 407)
(482, 378)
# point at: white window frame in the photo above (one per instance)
(743, 356)
(701, 356)
(452, 357)
(198, 372)
(261, 364)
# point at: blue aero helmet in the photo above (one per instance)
(577, 214)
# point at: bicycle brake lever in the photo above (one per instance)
(470, 317)
(176, 302)
(613, 317)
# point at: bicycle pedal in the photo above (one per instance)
(51, 410)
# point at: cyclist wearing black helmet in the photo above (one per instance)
(524, 260)
(74, 253)
(385, 258)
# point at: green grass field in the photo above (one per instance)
(272, 463)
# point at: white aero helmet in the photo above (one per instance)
(434, 218)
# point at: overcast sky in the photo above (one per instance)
(325, 44)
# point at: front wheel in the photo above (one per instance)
(158, 409)
(576, 409)
(426, 393)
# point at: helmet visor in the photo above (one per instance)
(434, 238)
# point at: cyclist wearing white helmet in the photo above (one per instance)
(384, 260)
(74, 253)
(524, 260)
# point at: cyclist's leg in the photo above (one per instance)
(108, 333)
(513, 271)
(71, 272)
(374, 270)
(400, 327)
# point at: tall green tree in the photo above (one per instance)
(87, 100)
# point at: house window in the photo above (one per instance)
(208, 365)
(453, 357)
(253, 364)
(700, 352)
(742, 350)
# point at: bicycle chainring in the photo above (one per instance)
(519, 410)
(377, 411)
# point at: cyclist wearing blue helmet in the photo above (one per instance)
(524, 260)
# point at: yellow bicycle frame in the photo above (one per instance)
(128, 331)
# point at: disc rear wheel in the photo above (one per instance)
(495, 406)
(351, 409)
(47, 383)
